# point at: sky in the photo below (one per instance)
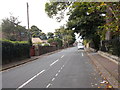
(37, 15)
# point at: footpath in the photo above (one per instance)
(107, 68)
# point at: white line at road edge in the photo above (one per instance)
(62, 56)
(82, 54)
(30, 80)
(48, 85)
(54, 62)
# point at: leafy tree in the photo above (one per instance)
(12, 30)
(35, 31)
(67, 36)
(59, 42)
(56, 41)
(50, 35)
(50, 40)
(84, 17)
(43, 36)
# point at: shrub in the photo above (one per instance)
(111, 46)
(14, 50)
(46, 44)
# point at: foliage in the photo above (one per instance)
(43, 36)
(58, 41)
(54, 8)
(46, 44)
(50, 35)
(50, 40)
(12, 30)
(35, 31)
(67, 36)
(84, 17)
(14, 50)
(39, 43)
(111, 46)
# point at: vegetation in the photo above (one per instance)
(91, 20)
(14, 50)
(50, 35)
(56, 41)
(67, 36)
(35, 31)
(12, 30)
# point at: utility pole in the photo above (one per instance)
(29, 39)
(28, 15)
(29, 35)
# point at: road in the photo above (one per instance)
(69, 68)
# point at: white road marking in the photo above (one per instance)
(48, 85)
(63, 65)
(61, 68)
(54, 62)
(30, 80)
(53, 79)
(59, 71)
(82, 54)
(62, 56)
(56, 74)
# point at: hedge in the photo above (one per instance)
(111, 46)
(14, 50)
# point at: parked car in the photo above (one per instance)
(80, 46)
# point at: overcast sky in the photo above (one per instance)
(37, 13)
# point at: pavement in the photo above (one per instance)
(68, 68)
(108, 68)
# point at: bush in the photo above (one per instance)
(46, 44)
(14, 50)
(111, 46)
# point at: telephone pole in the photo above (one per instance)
(28, 15)
(29, 35)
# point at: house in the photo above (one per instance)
(38, 40)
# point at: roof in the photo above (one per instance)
(36, 40)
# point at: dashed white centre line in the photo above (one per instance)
(48, 85)
(82, 54)
(54, 62)
(59, 71)
(56, 74)
(30, 80)
(53, 79)
(62, 56)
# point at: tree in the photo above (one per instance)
(43, 36)
(50, 35)
(59, 42)
(84, 17)
(12, 30)
(55, 41)
(67, 36)
(35, 31)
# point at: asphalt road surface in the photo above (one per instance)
(69, 68)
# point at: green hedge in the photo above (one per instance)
(14, 50)
(111, 46)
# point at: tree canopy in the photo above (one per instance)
(12, 30)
